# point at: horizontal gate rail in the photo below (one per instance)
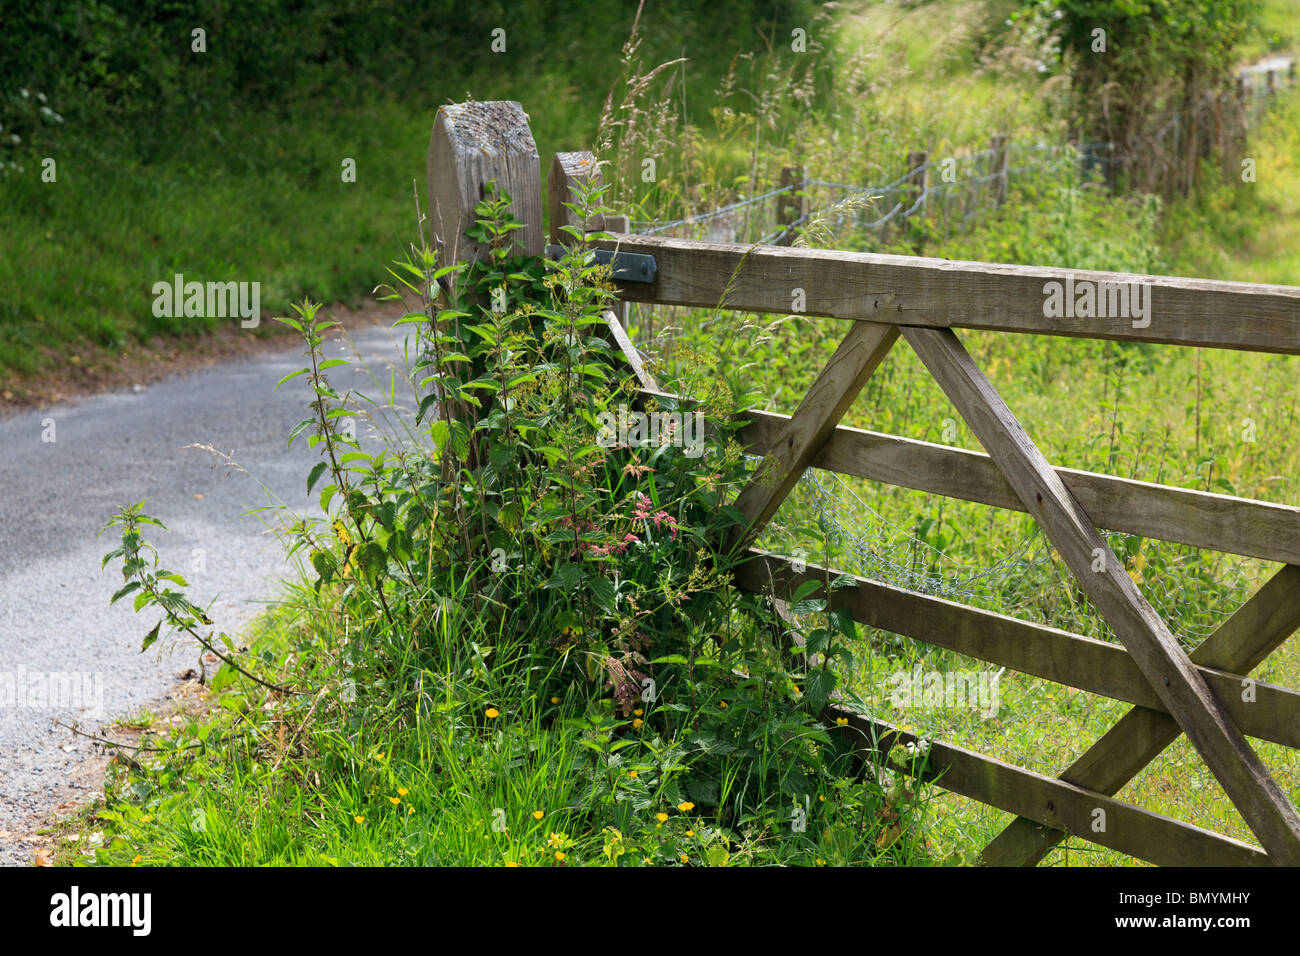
(1049, 801)
(942, 293)
(1082, 662)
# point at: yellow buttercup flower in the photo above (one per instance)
(511, 863)
(638, 712)
(359, 819)
(636, 724)
(686, 806)
(841, 721)
(559, 855)
(492, 713)
(538, 814)
(402, 791)
(555, 700)
(661, 817)
(633, 774)
(410, 809)
(394, 800)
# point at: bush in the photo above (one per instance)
(521, 577)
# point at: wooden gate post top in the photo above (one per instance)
(472, 143)
(569, 173)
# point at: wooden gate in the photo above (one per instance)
(1206, 695)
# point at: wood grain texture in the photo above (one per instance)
(1097, 667)
(1244, 778)
(570, 174)
(472, 143)
(838, 384)
(1239, 645)
(631, 353)
(956, 294)
(1055, 803)
(1259, 529)
(791, 207)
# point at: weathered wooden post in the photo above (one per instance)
(998, 169)
(791, 206)
(915, 194)
(471, 144)
(570, 174)
(916, 176)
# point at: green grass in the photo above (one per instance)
(261, 200)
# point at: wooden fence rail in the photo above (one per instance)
(922, 301)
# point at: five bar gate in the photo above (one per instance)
(1206, 695)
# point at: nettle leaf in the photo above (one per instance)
(371, 557)
(817, 641)
(843, 621)
(297, 429)
(317, 470)
(124, 591)
(428, 402)
(324, 564)
(808, 607)
(817, 689)
(150, 637)
(386, 512)
(805, 589)
(460, 438)
(440, 432)
(570, 574)
(602, 590)
(291, 375)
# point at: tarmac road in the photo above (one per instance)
(64, 652)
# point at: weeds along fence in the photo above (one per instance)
(946, 193)
(1206, 694)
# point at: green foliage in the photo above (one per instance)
(1131, 60)
(533, 603)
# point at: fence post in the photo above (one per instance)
(570, 172)
(791, 207)
(998, 169)
(916, 170)
(471, 144)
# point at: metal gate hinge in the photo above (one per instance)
(624, 267)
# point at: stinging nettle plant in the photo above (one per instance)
(500, 562)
